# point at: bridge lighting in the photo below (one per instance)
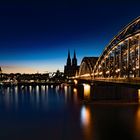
(96, 73)
(107, 72)
(99, 66)
(75, 90)
(75, 82)
(85, 75)
(130, 37)
(76, 76)
(118, 70)
(137, 67)
(100, 73)
(133, 68)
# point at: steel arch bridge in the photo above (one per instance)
(86, 67)
(120, 58)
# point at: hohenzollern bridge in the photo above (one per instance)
(120, 60)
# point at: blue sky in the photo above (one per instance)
(36, 35)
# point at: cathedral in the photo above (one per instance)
(71, 66)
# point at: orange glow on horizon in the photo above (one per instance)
(16, 69)
(25, 69)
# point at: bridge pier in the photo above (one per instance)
(134, 65)
(109, 65)
(114, 68)
(120, 62)
(128, 58)
(139, 56)
(106, 67)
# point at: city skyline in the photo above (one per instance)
(35, 36)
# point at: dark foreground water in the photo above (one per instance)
(61, 113)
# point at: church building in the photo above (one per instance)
(71, 66)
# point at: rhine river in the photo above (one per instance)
(65, 113)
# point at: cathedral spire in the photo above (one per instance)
(74, 60)
(68, 59)
(68, 54)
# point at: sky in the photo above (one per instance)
(35, 36)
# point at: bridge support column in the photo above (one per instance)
(109, 65)
(120, 61)
(128, 58)
(105, 68)
(134, 65)
(114, 68)
(139, 56)
(98, 71)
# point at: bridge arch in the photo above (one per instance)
(121, 57)
(86, 67)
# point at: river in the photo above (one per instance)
(65, 113)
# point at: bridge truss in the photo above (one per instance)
(121, 57)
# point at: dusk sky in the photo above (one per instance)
(35, 36)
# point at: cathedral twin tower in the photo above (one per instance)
(71, 67)
(74, 60)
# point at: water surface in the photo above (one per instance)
(63, 113)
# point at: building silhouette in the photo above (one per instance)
(71, 67)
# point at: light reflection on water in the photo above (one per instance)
(86, 91)
(86, 122)
(85, 116)
(75, 96)
(139, 94)
(35, 96)
(62, 110)
(137, 123)
(66, 93)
